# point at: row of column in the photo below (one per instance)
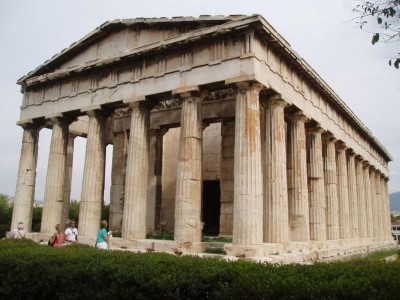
(294, 183)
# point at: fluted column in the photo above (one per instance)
(316, 186)
(155, 179)
(68, 179)
(188, 226)
(352, 187)
(367, 181)
(137, 170)
(276, 218)
(374, 220)
(331, 193)
(93, 175)
(387, 230)
(25, 189)
(378, 205)
(227, 178)
(248, 188)
(297, 179)
(361, 200)
(343, 192)
(54, 191)
(382, 207)
(118, 172)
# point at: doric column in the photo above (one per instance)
(25, 189)
(331, 193)
(343, 191)
(276, 218)
(316, 186)
(248, 188)
(367, 181)
(93, 175)
(227, 178)
(118, 169)
(297, 179)
(361, 199)
(387, 230)
(352, 187)
(54, 191)
(378, 205)
(137, 170)
(382, 207)
(154, 189)
(374, 219)
(188, 227)
(68, 179)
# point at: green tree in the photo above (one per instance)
(381, 18)
(6, 210)
(74, 210)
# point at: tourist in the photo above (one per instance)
(19, 232)
(71, 233)
(103, 237)
(58, 238)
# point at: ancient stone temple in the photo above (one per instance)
(217, 127)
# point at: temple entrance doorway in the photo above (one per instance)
(211, 206)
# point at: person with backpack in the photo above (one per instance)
(57, 239)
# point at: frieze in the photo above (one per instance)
(122, 112)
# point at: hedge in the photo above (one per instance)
(32, 271)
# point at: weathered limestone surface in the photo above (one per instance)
(55, 180)
(297, 179)
(276, 217)
(361, 200)
(227, 177)
(248, 202)
(93, 176)
(367, 181)
(137, 170)
(189, 172)
(316, 186)
(374, 219)
(343, 192)
(331, 192)
(68, 180)
(353, 200)
(118, 170)
(154, 185)
(25, 190)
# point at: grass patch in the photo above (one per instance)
(379, 255)
(161, 236)
(221, 239)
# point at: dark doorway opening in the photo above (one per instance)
(211, 207)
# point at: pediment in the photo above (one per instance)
(119, 36)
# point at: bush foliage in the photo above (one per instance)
(33, 271)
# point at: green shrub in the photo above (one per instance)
(32, 271)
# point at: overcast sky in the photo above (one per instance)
(318, 30)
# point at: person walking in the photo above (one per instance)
(103, 237)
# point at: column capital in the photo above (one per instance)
(366, 164)
(341, 146)
(329, 137)
(350, 152)
(298, 116)
(274, 101)
(187, 92)
(315, 128)
(32, 124)
(246, 85)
